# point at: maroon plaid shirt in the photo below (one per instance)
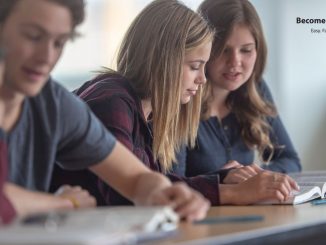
(7, 211)
(116, 104)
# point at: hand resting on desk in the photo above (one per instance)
(27, 202)
(264, 186)
(190, 205)
(78, 197)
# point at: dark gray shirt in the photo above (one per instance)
(54, 126)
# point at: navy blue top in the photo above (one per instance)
(220, 141)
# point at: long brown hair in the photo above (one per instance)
(246, 102)
(151, 56)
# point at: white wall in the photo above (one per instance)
(297, 73)
(102, 32)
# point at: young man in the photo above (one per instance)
(15, 200)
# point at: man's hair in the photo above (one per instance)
(76, 8)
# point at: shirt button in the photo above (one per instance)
(226, 127)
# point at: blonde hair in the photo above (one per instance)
(249, 107)
(151, 56)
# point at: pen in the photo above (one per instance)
(230, 219)
(318, 202)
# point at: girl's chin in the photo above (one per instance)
(233, 85)
(185, 100)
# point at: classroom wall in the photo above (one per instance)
(296, 69)
(297, 73)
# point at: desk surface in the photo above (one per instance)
(276, 219)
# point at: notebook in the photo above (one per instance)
(312, 186)
(105, 225)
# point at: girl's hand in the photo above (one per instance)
(263, 187)
(241, 173)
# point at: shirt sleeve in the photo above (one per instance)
(83, 139)
(207, 185)
(117, 116)
(7, 211)
(285, 158)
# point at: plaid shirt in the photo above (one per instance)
(7, 211)
(116, 104)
